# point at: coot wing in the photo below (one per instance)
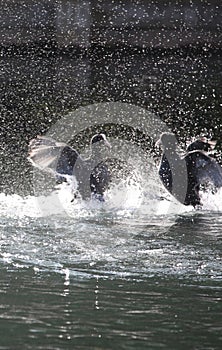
(47, 154)
(207, 169)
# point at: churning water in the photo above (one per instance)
(113, 275)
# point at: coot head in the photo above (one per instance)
(201, 144)
(100, 138)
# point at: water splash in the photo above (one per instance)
(212, 201)
(124, 198)
(139, 231)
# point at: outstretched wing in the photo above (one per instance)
(67, 160)
(207, 169)
(47, 154)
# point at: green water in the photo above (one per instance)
(85, 283)
(42, 312)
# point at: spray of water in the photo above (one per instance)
(132, 195)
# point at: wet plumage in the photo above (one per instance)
(92, 174)
(183, 175)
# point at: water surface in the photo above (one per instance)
(108, 279)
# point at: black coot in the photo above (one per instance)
(92, 174)
(183, 175)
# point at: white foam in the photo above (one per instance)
(123, 199)
(212, 201)
(131, 195)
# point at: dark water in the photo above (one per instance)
(97, 313)
(101, 279)
(107, 278)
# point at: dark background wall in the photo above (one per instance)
(56, 56)
(140, 23)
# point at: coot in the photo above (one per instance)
(92, 174)
(184, 175)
